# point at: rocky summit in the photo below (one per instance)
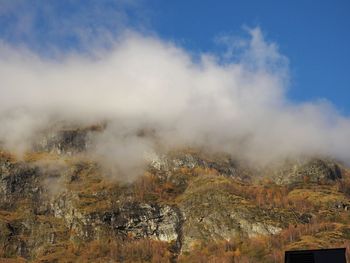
(59, 205)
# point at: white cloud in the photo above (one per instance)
(147, 83)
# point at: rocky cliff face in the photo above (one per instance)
(314, 170)
(211, 212)
(53, 202)
(34, 218)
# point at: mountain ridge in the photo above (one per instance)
(60, 205)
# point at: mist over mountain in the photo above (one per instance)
(236, 103)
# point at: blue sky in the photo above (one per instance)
(314, 35)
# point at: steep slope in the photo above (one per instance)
(59, 205)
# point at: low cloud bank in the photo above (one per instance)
(145, 84)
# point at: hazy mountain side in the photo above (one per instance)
(67, 139)
(59, 204)
(315, 170)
